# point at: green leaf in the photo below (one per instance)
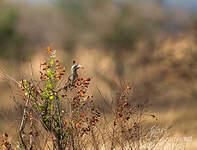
(50, 73)
(51, 97)
(51, 62)
(26, 93)
(46, 118)
(49, 86)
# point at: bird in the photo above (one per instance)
(74, 69)
(72, 78)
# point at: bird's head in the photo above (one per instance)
(75, 66)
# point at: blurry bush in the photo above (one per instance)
(111, 24)
(11, 42)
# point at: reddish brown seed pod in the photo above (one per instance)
(85, 82)
(89, 96)
(4, 141)
(30, 132)
(73, 103)
(78, 83)
(95, 120)
(44, 64)
(67, 129)
(36, 133)
(123, 95)
(39, 91)
(128, 87)
(30, 118)
(123, 120)
(127, 118)
(119, 109)
(125, 103)
(87, 79)
(81, 93)
(80, 79)
(77, 125)
(82, 115)
(48, 48)
(63, 95)
(76, 98)
(84, 129)
(86, 86)
(65, 123)
(5, 135)
(63, 69)
(57, 62)
(120, 114)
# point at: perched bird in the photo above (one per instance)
(73, 77)
(74, 69)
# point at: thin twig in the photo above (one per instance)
(31, 136)
(22, 126)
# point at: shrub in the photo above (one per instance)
(58, 113)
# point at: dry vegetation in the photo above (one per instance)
(152, 46)
(58, 113)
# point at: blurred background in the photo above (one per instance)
(150, 44)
